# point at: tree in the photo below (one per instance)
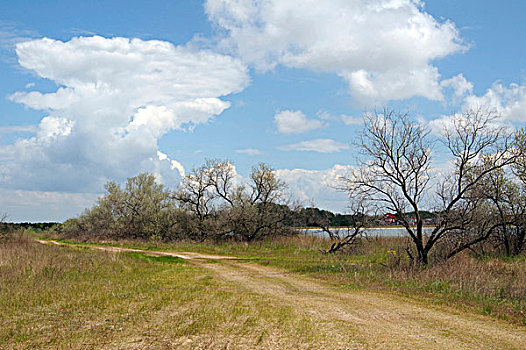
(395, 172)
(502, 203)
(223, 206)
(357, 221)
(196, 195)
(4, 227)
(256, 209)
(142, 209)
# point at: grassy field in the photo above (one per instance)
(56, 297)
(60, 297)
(489, 285)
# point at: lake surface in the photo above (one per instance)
(371, 232)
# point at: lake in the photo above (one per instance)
(371, 232)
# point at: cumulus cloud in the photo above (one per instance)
(317, 145)
(460, 85)
(295, 122)
(317, 187)
(116, 98)
(249, 151)
(508, 101)
(384, 49)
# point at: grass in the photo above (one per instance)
(57, 297)
(489, 285)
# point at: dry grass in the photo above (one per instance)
(490, 285)
(56, 297)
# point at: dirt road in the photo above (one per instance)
(359, 319)
(374, 320)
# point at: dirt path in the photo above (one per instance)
(359, 319)
(183, 255)
(374, 320)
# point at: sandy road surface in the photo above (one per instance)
(184, 255)
(365, 320)
(359, 319)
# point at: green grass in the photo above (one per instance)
(59, 297)
(488, 285)
(165, 259)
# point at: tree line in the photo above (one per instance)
(210, 203)
(477, 197)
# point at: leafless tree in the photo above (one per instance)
(501, 207)
(341, 237)
(223, 207)
(259, 208)
(196, 195)
(395, 172)
(3, 227)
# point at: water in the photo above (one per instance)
(371, 232)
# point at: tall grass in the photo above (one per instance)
(487, 284)
(63, 297)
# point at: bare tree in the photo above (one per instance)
(196, 195)
(259, 208)
(3, 226)
(501, 202)
(395, 172)
(223, 207)
(341, 237)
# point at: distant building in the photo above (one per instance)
(390, 219)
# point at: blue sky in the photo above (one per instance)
(101, 90)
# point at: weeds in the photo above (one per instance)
(59, 297)
(489, 285)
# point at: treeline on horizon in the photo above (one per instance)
(209, 204)
(6, 227)
(309, 217)
(479, 201)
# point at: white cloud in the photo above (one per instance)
(44, 206)
(317, 187)
(295, 122)
(11, 34)
(117, 98)
(18, 128)
(173, 163)
(249, 151)
(460, 85)
(509, 102)
(348, 120)
(322, 114)
(384, 49)
(318, 145)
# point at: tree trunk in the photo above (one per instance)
(422, 258)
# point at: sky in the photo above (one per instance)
(98, 91)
